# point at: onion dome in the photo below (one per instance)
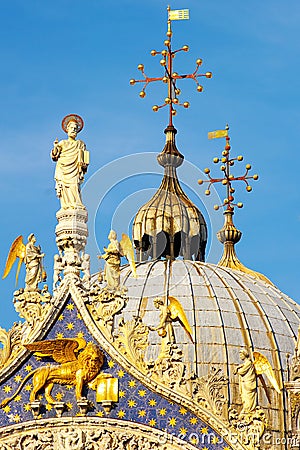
(169, 224)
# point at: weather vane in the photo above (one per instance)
(170, 77)
(228, 177)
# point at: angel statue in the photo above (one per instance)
(248, 373)
(170, 311)
(32, 256)
(72, 160)
(112, 256)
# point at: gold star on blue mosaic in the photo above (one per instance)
(136, 403)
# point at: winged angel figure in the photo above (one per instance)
(79, 364)
(170, 312)
(112, 256)
(248, 372)
(32, 256)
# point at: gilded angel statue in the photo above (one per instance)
(170, 311)
(248, 373)
(32, 256)
(112, 256)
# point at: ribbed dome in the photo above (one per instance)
(169, 224)
(227, 310)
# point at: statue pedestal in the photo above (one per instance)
(71, 230)
(71, 236)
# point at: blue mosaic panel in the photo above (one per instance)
(136, 402)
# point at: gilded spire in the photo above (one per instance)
(170, 77)
(170, 225)
(229, 235)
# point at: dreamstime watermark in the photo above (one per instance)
(292, 441)
(115, 192)
(230, 438)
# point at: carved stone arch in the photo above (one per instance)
(82, 433)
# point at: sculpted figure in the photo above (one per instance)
(57, 268)
(112, 256)
(247, 382)
(170, 311)
(85, 267)
(79, 363)
(33, 263)
(32, 256)
(72, 160)
(165, 328)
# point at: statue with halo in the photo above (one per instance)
(72, 160)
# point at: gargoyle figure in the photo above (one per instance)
(74, 369)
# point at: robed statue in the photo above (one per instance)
(112, 256)
(32, 256)
(72, 161)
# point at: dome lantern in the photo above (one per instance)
(169, 224)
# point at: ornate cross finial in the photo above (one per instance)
(170, 77)
(228, 177)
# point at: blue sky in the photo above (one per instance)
(77, 56)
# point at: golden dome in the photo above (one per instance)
(169, 224)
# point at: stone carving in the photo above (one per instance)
(294, 399)
(74, 369)
(251, 422)
(132, 341)
(57, 269)
(249, 427)
(247, 382)
(104, 305)
(70, 439)
(248, 373)
(210, 391)
(295, 361)
(32, 256)
(82, 438)
(11, 341)
(32, 305)
(169, 368)
(85, 268)
(170, 311)
(112, 256)
(72, 160)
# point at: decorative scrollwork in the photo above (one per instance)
(132, 341)
(210, 391)
(104, 305)
(32, 306)
(11, 341)
(249, 427)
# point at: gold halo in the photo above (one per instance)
(74, 118)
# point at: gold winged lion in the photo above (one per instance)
(80, 363)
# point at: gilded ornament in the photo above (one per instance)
(247, 382)
(104, 305)
(79, 362)
(112, 256)
(132, 341)
(32, 256)
(210, 391)
(11, 342)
